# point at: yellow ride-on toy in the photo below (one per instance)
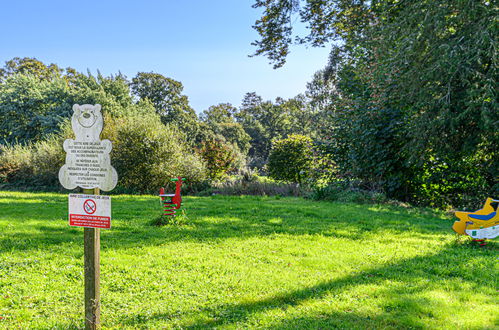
(480, 225)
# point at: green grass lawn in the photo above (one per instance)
(246, 262)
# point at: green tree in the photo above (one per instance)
(32, 107)
(321, 92)
(221, 121)
(291, 159)
(166, 96)
(29, 65)
(220, 113)
(219, 156)
(327, 20)
(260, 119)
(433, 61)
(298, 116)
(265, 121)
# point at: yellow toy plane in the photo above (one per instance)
(480, 225)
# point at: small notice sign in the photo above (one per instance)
(91, 211)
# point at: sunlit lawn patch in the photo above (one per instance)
(242, 262)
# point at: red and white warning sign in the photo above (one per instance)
(91, 211)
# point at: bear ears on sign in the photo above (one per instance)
(76, 107)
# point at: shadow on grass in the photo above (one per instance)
(402, 308)
(223, 218)
(212, 219)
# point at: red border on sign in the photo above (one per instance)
(89, 221)
(87, 204)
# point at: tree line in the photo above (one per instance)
(406, 105)
(35, 107)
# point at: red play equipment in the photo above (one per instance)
(171, 202)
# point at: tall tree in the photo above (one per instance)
(221, 121)
(29, 65)
(220, 113)
(167, 98)
(32, 106)
(434, 62)
(265, 121)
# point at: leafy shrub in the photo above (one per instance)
(447, 184)
(220, 157)
(34, 165)
(366, 145)
(146, 154)
(13, 163)
(291, 159)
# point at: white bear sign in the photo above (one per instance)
(88, 164)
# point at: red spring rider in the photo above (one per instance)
(171, 202)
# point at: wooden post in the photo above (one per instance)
(91, 237)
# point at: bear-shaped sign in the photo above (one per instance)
(88, 164)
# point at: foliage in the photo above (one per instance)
(29, 66)
(25, 112)
(326, 21)
(220, 157)
(291, 159)
(220, 113)
(146, 154)
(33, 165)
(447, 184)
(424, 69)
(32, 108)
(167, 98)
(367, 146)
(325, 169)
(220, 120)
(35, 98)
(265, 121)
(321, 92)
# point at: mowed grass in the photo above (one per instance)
(246, 262)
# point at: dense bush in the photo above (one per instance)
(220, 157)
(367, 145)
(453, 184)
(146, 154)
(291, 159)
(33, 166)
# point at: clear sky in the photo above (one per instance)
(203, 44)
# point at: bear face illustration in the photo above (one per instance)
(87, 117)
(87, 121)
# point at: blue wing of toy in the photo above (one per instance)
(483, 216)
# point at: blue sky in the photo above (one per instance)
(203, 44)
